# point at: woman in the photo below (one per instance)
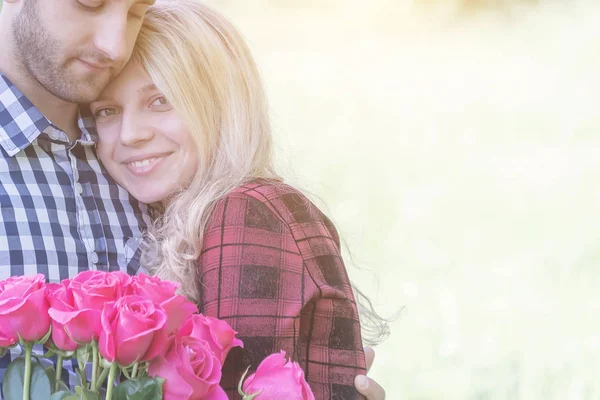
(185, 128)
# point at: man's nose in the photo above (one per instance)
(111, 37)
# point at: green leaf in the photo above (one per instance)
(85, 394)
(240, 391)
(40, 384)
(143, 388)
(47, 354)
(63, 386)
(84, 353)
(51, 375)
(12, 384)
(46, 337)
(89, 395)
(251, 396)
(64, 395)
(21, 340)
(52, 349)
(104, 363)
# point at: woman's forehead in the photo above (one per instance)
(133, 80)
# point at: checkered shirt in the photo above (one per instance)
(60, 212)
(271, 267)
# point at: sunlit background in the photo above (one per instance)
(455, 144)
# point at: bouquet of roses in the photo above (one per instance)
(134, 331)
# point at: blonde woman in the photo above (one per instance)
(185, 127)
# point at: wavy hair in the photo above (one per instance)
(202, 64)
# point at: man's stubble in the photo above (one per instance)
(39, 54)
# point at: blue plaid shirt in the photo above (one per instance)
(60, 212)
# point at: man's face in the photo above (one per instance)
(73, 48)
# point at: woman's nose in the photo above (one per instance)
(135, 132)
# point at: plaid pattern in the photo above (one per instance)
(271, 267)
(60, 212)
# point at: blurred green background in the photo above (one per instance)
(455, 145)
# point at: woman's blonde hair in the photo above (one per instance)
(203, 66)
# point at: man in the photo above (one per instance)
(60, 212)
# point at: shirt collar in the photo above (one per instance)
(21, 122)
(87, 125)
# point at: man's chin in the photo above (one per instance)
(82, 86)
(80, 93)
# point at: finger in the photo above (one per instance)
(369, 388)
(369, 357)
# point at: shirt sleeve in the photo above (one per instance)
(282, 286)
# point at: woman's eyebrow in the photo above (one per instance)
(147, 88)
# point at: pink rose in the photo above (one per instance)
(217, 333)
(23, 300)
(131, 329)
(191, 371)
(154, 288)
(78, 305)
(92, 289)
(278, 379)
(162, 293)
(59, 334)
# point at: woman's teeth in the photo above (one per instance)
(143, 163)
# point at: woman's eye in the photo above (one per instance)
(105, 112)
(159, 101)
(90, 5)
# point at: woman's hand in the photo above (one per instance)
(366, 386)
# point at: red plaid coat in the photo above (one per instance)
(271, 267)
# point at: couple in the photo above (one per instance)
(178, 122)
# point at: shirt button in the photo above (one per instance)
(78, 188)
(94, 258)
(54, 135)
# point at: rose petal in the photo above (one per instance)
(106, 344)
(175, 387)
(276, 378)
(61, 339)
(216, 394)
(178, 309)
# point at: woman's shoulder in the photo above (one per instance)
(289, 203)
(265, 189)
(272, 202)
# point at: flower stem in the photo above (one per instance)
(135, 370)
(27, 378)
(82, 373)
(58, 372)
(111, 381)
(94, 366)
(101, 379)
(142, 369)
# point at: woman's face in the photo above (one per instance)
(143, 143)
